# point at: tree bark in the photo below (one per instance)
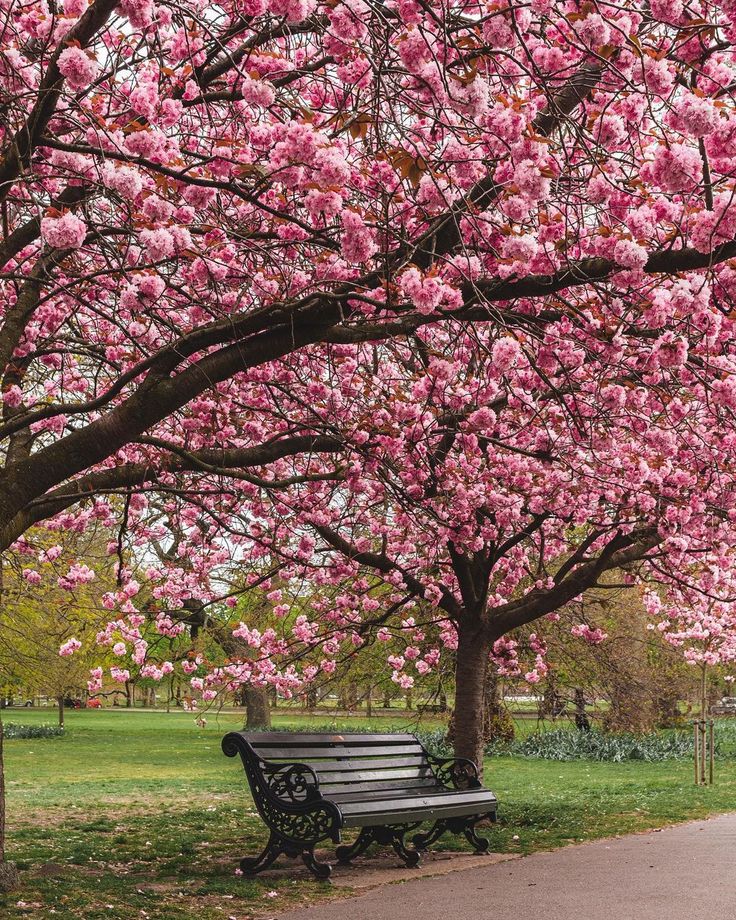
(2, 796)
(9, 879)
(498, 725)
(60, 702)
(473, 648)
(257, 708)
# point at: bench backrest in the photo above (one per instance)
(350, 763)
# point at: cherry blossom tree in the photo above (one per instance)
(483, 484)
(699, 619)
(524, 206)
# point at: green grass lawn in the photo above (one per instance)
(138, 814)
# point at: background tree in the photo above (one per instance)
(46, 609)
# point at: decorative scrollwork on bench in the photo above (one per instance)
(305, 823)
(293, 782)
(455, 772)
(287, 797)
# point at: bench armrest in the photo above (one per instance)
(455, 772)
(286, 795)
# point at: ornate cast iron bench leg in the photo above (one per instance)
(390, 835)
(349, 851)
(410, 857)
(479, 844)
(319, 869)
(276, 847)
(465, 826)
(251, 865)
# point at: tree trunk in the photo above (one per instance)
(473, 648)
(498, 725)
(60, 702)
(9, 880)
(369, 702)
(257, 708)
(352, 696)
(582, 723)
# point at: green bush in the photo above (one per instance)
(613, 747)
(13, 730)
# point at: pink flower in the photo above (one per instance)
(629, 254)
(69, 647)
(425, 292)
(65, 232)
(159, 244)
(78, 67)
(695, 116)
(505, 354)
(405, 681)
(292, 10)
(666, 10)
(676, 168)
(13, 396)
(139, 12)
(592, 636)
(74, 7)
(357, 240)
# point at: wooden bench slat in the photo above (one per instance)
(365, 776)
(286, 739)
(326, 767)
(368, 792)
(311, 753)
(420, 801)
(393, 782)
(411, 815)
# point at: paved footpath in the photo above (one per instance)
(686, 872)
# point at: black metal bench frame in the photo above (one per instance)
(299, 816)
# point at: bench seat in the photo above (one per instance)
(307, 787)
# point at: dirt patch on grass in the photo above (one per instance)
(107, 808)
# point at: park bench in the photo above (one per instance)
(308, 787)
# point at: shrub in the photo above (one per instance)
(13, 730)
(566, 744)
